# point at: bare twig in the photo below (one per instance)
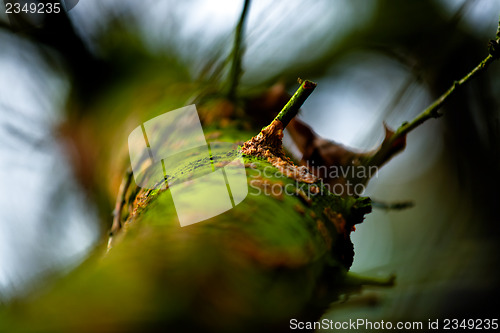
(291, 108)
(386, 150)
(392, 205)
(237, 53)
(120, 202)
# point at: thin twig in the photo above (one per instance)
(392, 205)
(291, 108)
(498, 30)
(237, 53)
(385, 151)
(120, 202)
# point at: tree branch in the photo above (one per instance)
(120, 202)
(237, 53)
(291, 108)
(386, 150)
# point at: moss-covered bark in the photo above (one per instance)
(282, 253)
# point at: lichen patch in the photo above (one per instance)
(338, 221)
(268, 144)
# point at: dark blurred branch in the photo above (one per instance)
(498, 30)
(120, 202)
(237, 53)
(386, 151)
(56, 31)
(5, 26)
(392, 205)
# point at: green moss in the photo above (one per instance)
(259, 264)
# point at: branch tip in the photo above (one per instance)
(387, 151)
(291, 108)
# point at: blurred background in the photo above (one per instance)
(374, 61)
